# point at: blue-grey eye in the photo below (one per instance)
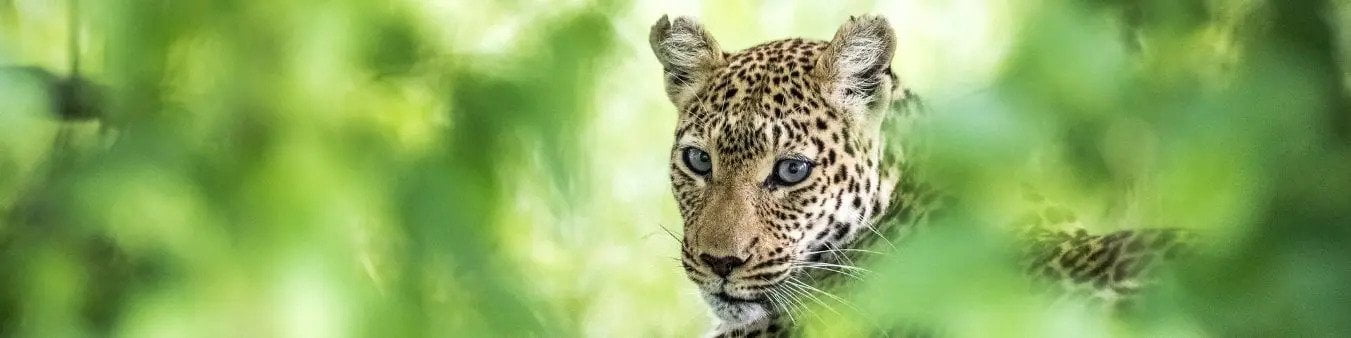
(791, 171)
(697, 160)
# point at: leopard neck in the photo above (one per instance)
(910, 199)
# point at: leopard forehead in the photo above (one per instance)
(763, 101)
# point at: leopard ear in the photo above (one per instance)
(856, 67)
(688, 56)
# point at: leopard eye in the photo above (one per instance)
(697, 160)
(791, 171)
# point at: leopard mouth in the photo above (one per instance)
(730, 299)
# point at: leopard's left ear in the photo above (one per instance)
(856, 66)
(688, 55)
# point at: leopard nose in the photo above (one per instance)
(722, 265)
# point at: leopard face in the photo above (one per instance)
(777, 156)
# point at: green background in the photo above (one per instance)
(499, 168)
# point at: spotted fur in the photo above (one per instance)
(1105, 268)
(750, 241)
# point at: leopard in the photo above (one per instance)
(785, 155)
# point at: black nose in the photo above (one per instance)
(721, 265)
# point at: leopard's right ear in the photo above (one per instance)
(688, 56)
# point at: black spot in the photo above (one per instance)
(1135, 245)
(1066, 259)
(1098, 255)
(1050, 272)
(1123, 270)
(841, 229)
(1163, 239)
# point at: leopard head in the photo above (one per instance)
(776, 156)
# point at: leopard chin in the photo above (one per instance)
(737, 311)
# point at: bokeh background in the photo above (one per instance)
(498, 168)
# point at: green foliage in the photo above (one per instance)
(400, 168)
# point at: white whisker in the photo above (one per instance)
(843, 249)
(836, 298)
(832, 296)
(797, 303)
(797, 295)
(798, 286)
(884, 238)
(845, 257)
(815, 264)
(783, 307)
(846, 273)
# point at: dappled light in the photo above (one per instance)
(500, 168)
